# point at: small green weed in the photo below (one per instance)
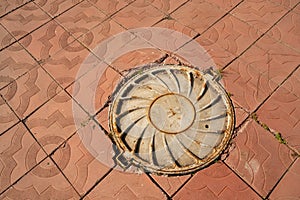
(279, 138)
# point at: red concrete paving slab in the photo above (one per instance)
(281, 111)
(65, 64)
(288, 186)
(136, 58)
(80, 19)
(47, 40)
(30, 91)
(232, 34)
(19, 152)
(259, 13)
(170, 184)
(101, 32)
(274, 59)
(81, 167)
(7, 117)
(214, 55)
(259, 158)
(240, 114)
(24, 20)
(110, 7)
(15, 62)
(225, 4)
(94, 88)
(216, 182)
(102, 119)
(55, 121)
(7, 6)
(286, 3)
(5, 37)
(167, 6)
(43, 182)
(140, 13)
(287, 30)
(176, 26)
(56, 7)
(127, 186)
(198, 15)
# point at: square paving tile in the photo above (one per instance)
(94, 88)
(282, 110)
(43, 182)
(286, 3)
(55, 121)
(56, 7)
(15, 62)
(274, 59)
(287, 30)
(216, 182)
(83, 158)
(19, 152)
(140, 13)
(198, 15)
(225, 4)
(30, 91)
(232, 34)
(7, 116)
(7, 6)
(5, 37)
(128, 186)
(79, 20)
(259, 13)
(101, 32)
(110, 7)
(171, 184)
(47, 40)
(259, 158)
(167, 6)
(288, 186)
(25, 19)
(71, 62)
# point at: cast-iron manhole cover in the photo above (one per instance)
(171, 119)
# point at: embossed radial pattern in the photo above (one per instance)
(171, 119)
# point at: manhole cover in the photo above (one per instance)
(170, 119)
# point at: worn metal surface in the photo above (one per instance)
(171, 119)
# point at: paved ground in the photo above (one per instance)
(254, 43)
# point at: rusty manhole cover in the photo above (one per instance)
(170, 119)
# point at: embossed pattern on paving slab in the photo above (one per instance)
(171, 119)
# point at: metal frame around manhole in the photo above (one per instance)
(150, 119)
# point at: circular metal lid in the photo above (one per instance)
(171, 119)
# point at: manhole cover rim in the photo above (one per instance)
(217, 151)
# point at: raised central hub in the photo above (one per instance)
(172, 113)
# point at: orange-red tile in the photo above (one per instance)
(287, 30)
(56, 7)
(47, 40)
(7, 116)
(167, 6)
(25, 19)
(55, 121)
(281, 111)
(259, 158)
(15, 62)
(71, 62)
(43, 182)
(171, 184)
(287, 187)
(83, 157)
(128, 186)
(7, 6)
(100, 33)
(19, 152)
(110, 7)
(216, 182)
(30, 91)
(80, 19)
(225, 4)
(259, 13)
(5, 37)
(138, 14)
(198, 15)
